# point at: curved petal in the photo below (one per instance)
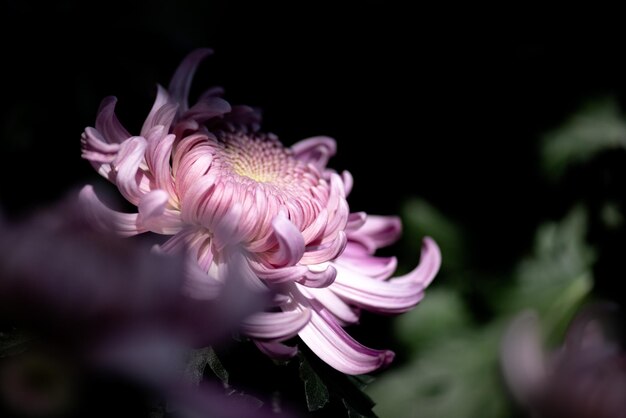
(276, 350)
(108, 124)
(376, 295)
(316, 150)
(107, 219)
(377, 232)
(207, 109)
(430, 261)
(290, 242)
(332, 344)
(163, 112)
(181, 81)
(348, 181)
(344, 313)
(126, 166)
(154, 216)
(158, 154)
(326, 252)
(358, 259)
(275, 325)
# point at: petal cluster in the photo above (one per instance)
(207, 176)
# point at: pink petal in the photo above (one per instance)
(377, 232)
(358, 259)
(106, 219)
(207, 109)
(348, 181)
(290, 242)
(158, 154)
(275, 325)
(430, 261)
(316, 150)
(375, 295)
(333, 345)
(153, 215)
(314, 231)
(326, 252)
(356, 220)
(108, 124)
(181, 81)
(276, 350)
(163, 112)
(127, 166)
(344, 313)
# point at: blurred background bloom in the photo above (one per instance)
(92, 325)
(585, 377)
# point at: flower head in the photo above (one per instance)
(207, 176)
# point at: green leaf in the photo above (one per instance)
(598, 126)
(559, 271)
(197, 362)
(457, 377)
(315, 390)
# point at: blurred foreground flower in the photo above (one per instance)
(206, 171)
(88, 304)
(586, 377)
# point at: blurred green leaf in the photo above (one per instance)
(441, 313)
(559, 270)
(596, 127)
(458, 377)
(422, 219)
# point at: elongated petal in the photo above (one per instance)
(181, 81)
(127, 166)
(430, 261)
(154, 216)
(316, 150)
(327, 252)
(332, 344)
(358, 259)
(207, 109)
(276, 350)
(376, 295)
(377, 232)
(162, 113)
(106, 219)
(344, 313)
(275, 325)
(108, 124)
(290, 242)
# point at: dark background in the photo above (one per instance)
(446, 104)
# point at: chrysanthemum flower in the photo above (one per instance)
(207, 176)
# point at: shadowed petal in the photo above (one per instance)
(275, 325)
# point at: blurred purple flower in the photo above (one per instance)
(96, 303)
(584, 378)
(206, 171)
